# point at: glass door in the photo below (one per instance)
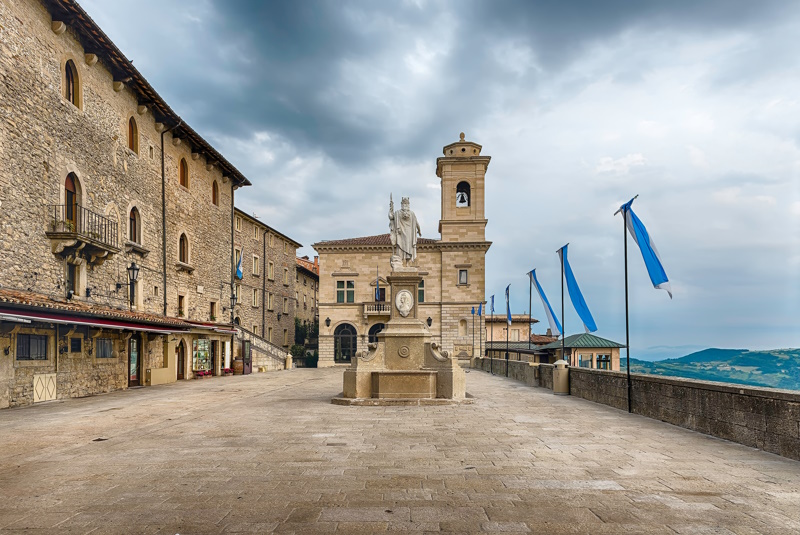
(133, 361)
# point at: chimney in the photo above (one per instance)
(549, 332)
(316, 264)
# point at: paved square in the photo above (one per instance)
(268, 452)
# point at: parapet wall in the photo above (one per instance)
(763, 418)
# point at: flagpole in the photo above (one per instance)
(508, 328)
(530, 308)
(563, 327)
(627, 330)
(473, 331)
(491, 341)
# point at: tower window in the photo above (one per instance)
(71, 83)
(133, 135)
(215, 193)
(462, 194)
(134, 226)
(183, 171)
(183, 249)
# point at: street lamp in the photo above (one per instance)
(233, 305)
(327, 322)
(429, 321)
(133, 276)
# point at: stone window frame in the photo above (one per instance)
(51, 348)
(215, 193)
(285, 305)
(269, 334)
(255, 232)
(96, 352)
(271, 271)
(183, 173)
(285, 247)
(272, 240)
(270, 301)
(256, 265)
(421, 291)
(463, 280)
(212, 310)
(238, 223)
(184, 253)
(77, 82)
(255, 330)
(347, 290)
(133, 135)
(286, 276)
(255, 297)
(75, 337)
(285, 337)
(137, 239)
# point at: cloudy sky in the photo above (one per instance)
(695, 106)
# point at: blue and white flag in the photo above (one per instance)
(239, 273)
(652, 260)
(575, 294)
(377, 285)
(555, 326)
(480, 309)
(492, 309)
(508, 307)
(473, 311)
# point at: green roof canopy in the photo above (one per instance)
(582, 340)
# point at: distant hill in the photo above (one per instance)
(777, 368)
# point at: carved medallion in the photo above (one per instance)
(404, 351)
(404, 302)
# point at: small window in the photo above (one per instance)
(269, 334)
(255, 297)
(152, 153)
(351, 291)
(76, 345)
(255, 330)
(286, 337)
(462, 194)
(181, 305)
(31, 347)
(285, 247)
(134, 230)
(72, 279)
(103, 348)
(133, 135)
(271, 240)
(215, 193)
(421, 292)
(380, 295)
(462, 276)
(270, 301)
(285, 305)
(256, 262)
(212, 311)
(271, 271)
(286, 276)
(183, 249)
(238, 224)
(71, 84)
(237, 255)
(183, 172)
(155, 291)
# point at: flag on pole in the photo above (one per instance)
(492, 309)
(473, 311)
(508, 307)
(575, 294)
(239, 273)
(377, 285)
(555, 326)
(480, 309)
(652, 260)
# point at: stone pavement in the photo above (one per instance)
(268, 452)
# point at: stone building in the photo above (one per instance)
(586, 351)
(306, 291)
(99, 177)
(497, 325)
(266, 303)
(351, 312)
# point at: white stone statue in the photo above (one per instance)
(403, 232)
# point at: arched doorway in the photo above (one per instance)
(374, 330)
(344, 343)
(180, 357)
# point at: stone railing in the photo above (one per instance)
(266, 355)
(763, 418)
(376, 309)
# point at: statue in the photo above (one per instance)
(403, 232)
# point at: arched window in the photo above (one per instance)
(71, 201)
(71, 83)
(133, 135)
(183, 249)
(183, 171)
(215, 193)
(374, 330)
(462, 194)
(344, 343)
(462, 327)
(134, 226)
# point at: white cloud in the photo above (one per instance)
(620, 166)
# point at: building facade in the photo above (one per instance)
(116, 218)
(266, 302)
(353, 291)
(306, 289)
(497, 327)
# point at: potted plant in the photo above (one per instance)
(227, 371)
(213, 318)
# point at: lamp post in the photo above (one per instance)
(133, 276)
(233, 305)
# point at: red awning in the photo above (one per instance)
(91, 322)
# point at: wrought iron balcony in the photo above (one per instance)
(77, 231)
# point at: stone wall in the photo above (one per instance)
(264, 354)
(764, 418)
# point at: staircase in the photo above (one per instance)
(266, 355)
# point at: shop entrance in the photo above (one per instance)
(214, 357)
(134, 360)
(180, 357)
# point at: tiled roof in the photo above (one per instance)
(380, 239)
(500, 317)
(583, 340)
(542, 339)
(33, 300)
(308, 265)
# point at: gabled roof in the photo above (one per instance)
(95, 41)
(582, 340)
(380, 239)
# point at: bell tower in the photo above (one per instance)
(462, 171)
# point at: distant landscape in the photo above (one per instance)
(777, 368)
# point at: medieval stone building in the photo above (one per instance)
(352, 312)
(116, 219)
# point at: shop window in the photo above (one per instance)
(134, 226)
(183, 249)
(462, 194)
(183, 173)
(31, 347)
(103, 348)
(215, 193)
(75, 345)
(345, 291)
(421, 292)
(462, 276)
(133, 135)
(71, 84)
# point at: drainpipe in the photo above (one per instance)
(164, 215)
(233, 252)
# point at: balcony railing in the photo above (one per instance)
(80, 221)
(377, 309)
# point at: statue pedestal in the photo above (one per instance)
(404, 364)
